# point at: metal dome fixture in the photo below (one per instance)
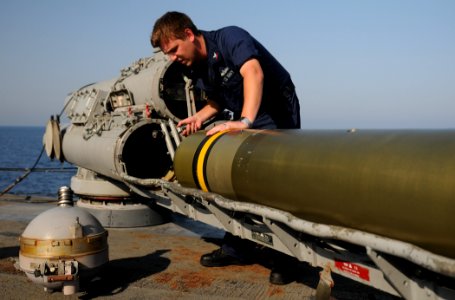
(61, 245)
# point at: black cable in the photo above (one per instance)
(28, 171)
(23, 176)
(65, 169)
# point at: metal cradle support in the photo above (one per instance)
(409, 288)
(323, 246)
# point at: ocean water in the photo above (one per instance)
(20, 148)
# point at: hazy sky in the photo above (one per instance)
(356, 64)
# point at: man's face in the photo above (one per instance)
(181, 51)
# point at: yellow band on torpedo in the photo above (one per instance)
(201, 159)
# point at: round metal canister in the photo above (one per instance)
(62, 244)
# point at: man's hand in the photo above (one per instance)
(192, 123)
(227, 126)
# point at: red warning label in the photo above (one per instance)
(353, 269)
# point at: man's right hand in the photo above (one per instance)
(191, 125)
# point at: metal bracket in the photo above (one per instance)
(298, 249)
(174, 133)
(167, 138)
(189, 92)
(229, 223)
(409, 288)
(179, 204)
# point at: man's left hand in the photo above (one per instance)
(227, 126)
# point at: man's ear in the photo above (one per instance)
(189, 34)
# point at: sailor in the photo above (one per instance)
(236, 73)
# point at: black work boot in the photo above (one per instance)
(219, 258)
(280, 276)
(283, 269)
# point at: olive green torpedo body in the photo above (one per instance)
(397, 184)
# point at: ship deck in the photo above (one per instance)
(159, 262)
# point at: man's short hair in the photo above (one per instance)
(171, 25)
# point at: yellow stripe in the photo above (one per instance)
(201, 159)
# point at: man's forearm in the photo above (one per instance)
(208, 111)
(253, 78)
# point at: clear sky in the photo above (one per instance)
(356, 64)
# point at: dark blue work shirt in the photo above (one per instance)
(227, 50)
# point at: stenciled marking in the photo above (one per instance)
(353, 269)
